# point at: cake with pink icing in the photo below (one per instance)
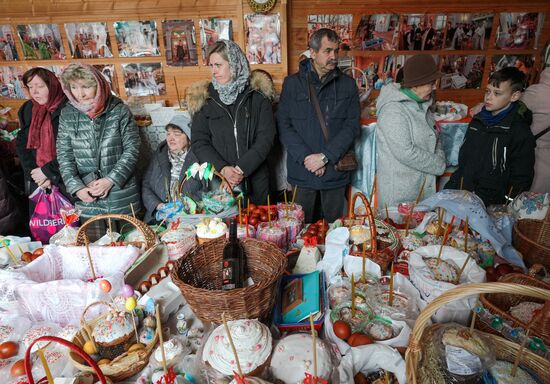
(113, 334)
(293, 356)
(442, 270)
(252, 341)
(36, 332)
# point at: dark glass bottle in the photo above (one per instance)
(233, 262)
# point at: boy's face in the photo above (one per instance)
(497, 98)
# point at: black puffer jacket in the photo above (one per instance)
(238, 135)
(493, 159)
(28, 156)
(300, 130)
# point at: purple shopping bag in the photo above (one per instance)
(46, 219)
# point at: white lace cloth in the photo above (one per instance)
(55, 286)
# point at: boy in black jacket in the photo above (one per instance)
(497, 157)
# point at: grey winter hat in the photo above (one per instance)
(181, 121)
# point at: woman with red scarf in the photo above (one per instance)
(39, 119)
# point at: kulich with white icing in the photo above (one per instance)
(252, 380)
(211, 228)
(178, 235)
(113, 328)
(252, 341)
(293, 356)
(173, 349)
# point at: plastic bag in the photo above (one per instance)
(217, 201)
(47, 219)
(67, 235)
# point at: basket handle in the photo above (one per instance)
(536, 268)
(370, 218)
(94, 304)
(413, 353)
(72, 347)
(146, 231)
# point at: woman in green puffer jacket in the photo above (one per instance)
(97, 145)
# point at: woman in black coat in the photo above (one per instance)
(167, 169)
(39, 119)
(233, 126)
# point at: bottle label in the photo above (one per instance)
(228, 274)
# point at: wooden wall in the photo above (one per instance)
(16, 12)
(300, 9)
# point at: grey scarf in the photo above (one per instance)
(240, 72)
(177, 160)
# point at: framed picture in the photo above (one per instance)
(56, 69)
(88, 40)
(212, 30)
(263, 38)
(394, 65)
(462, 71)
(137, 38)
(339, 23)
(180, 42)
(377, 32)
(108, 70)
(373, 67)
(525, 63)
(468, 30)
(519, 30)
(11, 83)
(144, 79)
(419, 32)
(41, 42)
(8, 52)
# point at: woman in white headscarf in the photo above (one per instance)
(233, 126)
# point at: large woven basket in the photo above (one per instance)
(199, 277)
(505, 350)
(382, 257)
(532, 239)
(122, 367)
(148, 234)
(499, 304)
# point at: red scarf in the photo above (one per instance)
(101, 97)
(41, 137)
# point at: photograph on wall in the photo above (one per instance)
(108, 70)
(525, 63)
(180, 42)
(137, 38)
(56, 69)
(7, 44)
(41, 42)
(144, 79)
(373, 68)
(263, 38)
(462, 71)
(377, 33)
(88, 40)
(11, 83)
(468, 30)
(212, 30)
(519, 30)
(393, 65)
(421, 32)
(339, 23)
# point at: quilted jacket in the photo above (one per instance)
(78, 141)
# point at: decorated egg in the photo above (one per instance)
(8, 349)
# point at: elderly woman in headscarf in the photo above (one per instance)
(233, 126)
(39, 119)
(97, 145)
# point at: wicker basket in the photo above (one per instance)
(120, 368)
(532, 239)
(382, 257)
(504, 350)
(74, 349)
(499, 304)
(198, 276)
(148, 234)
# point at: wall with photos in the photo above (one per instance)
(149, 49)
(468, 38)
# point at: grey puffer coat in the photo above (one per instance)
(78, 142)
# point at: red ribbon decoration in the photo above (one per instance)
(310, 242)
(309, 379)
(169, 378)
(239, 379)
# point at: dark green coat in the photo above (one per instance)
(77, 145)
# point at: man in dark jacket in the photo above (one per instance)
(497, 157)
(311, 158)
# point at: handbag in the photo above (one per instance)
(348, 162)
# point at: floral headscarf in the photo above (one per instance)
(240, 72)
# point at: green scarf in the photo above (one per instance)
(412, 95)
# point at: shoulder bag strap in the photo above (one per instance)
(315, 101)
(542, 133)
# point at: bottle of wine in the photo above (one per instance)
(233, 262)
